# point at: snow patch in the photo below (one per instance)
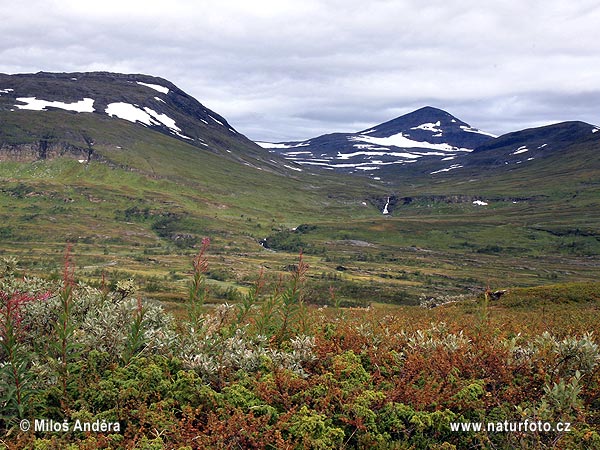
(475, 130)
(542, 146)
(293, 168)
(388, 153)
(520, 150)
(129, 112)
(595, 130)
(291, 154)
(158, 99)
(447, 169)
(32, 103)
(156, 87)
(146, 116)
(328, 165)
(480, 203)
(6, 91)
(220, 123)
(183, 136)
(368, 146)
(163, 118)
(430, 126)
(400, 140)
(273, 145)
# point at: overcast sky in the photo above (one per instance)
(282, 70)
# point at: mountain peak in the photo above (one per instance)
(428, 132)
(423, 118)
(430, 110)
(141, 99)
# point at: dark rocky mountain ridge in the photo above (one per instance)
(432, 142)
(143, 100)
(424, 134)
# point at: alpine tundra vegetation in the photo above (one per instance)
(271, 372)
(165, 282)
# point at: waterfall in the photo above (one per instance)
(385, 208)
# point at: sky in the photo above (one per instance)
(281, 70)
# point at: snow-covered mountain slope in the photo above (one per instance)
(146, 101)
(428, 133)
(569, 147)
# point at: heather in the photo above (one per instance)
(273, 370)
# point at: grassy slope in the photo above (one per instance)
(542, 224)
(46, 203)
(427, 247)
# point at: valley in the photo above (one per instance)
(162, 273)
(128, 226)
(136, 195)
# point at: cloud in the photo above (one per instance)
(282, 70)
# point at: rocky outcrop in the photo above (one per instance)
(42, 150)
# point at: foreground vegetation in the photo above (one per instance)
(272, 372)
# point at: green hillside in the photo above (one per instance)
(137, 210)
(136, 200)
(144, 193)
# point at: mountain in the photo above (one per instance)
(425, 134)
(136, 173)
(566, 149)
(32, 128)
(532, 143)
(431, 144)
(131, 161)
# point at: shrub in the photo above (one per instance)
(269, 372)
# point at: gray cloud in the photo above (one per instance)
(282, 70)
